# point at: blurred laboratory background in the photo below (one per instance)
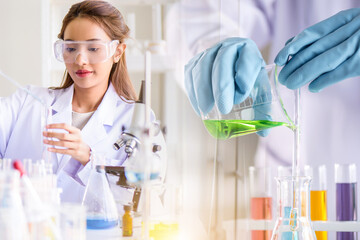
(214, 176)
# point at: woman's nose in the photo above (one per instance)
(81, 59)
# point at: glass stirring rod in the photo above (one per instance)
(295, 165)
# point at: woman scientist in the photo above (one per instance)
(321, 55)
(89, 109)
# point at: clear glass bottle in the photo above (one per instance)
(101, 211)
(293, 209)
(127, 222)
(12, 216)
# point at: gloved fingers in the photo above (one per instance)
(323, 63)
(224, 71)
(263, 100)
(262, 112)
(189, 82)
(202, 78)
(322, 45)
(289, 41)
(349, 68)
(315, 32)
(233, 80)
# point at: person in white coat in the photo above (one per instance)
(89, 109)
(329, 124)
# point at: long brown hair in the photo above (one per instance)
(111, 20)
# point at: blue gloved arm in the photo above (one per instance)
(223, 74)
(322, 54)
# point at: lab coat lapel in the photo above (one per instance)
(62, 109)
(95, 130)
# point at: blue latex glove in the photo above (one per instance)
(226, 74)
(223, 74)
(322, 54)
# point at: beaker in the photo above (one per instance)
(346, 197)
(260, 199)
(101, 211)
(293, 209)
(72, 221)
(264, 108)
(12, 216)
(318, 196)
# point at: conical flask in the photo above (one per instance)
(101, 211)
(293, 209)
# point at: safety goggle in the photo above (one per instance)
(90, 51)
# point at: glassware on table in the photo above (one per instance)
(101, 211)
(293, 213)
(72, 221)
(260, 199)
(12, 215)
(318, 196)
(346, 197)
(269, 105)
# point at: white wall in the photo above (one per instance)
(20, 48)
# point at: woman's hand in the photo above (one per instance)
(70, 142)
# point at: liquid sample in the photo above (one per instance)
(288, 235)
(164, 231)
(225, 129)
(318, 211)
(261, 208)
(346, 197)
(135, 177)
(96, 223)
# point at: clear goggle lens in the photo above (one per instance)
(90, 51)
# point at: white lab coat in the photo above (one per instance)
(330, 119)
(21, 134)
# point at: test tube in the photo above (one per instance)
(260, 199)
(318, 196)
(346, 197)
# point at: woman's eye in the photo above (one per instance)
(68, 49)
(93, 49)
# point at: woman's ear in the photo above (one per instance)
(119, 52)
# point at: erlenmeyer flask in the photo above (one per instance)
(264, 108)
(293, 209)
(101, 211)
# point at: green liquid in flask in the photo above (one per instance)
(225, 129)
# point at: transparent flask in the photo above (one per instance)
(293, 209)
(101, 211)
(268, 105)
(12, 215)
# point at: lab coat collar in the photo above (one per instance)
(62, 107)
(94, 131)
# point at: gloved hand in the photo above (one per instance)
(322, 54)
(224, 73)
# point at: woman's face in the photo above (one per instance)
(88, 75)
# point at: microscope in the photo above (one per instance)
(130, 140)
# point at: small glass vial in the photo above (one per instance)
(127, 222)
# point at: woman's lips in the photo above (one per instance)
(83, 73)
